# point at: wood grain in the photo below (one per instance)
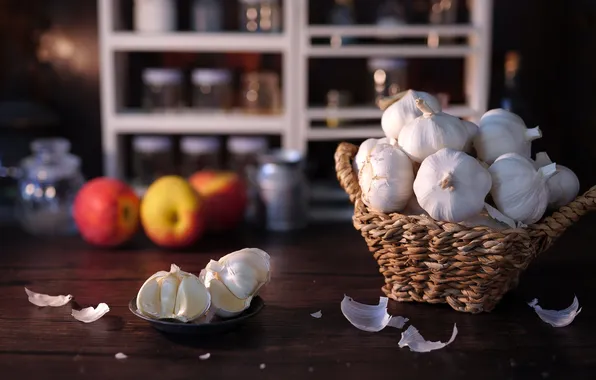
(312, 270)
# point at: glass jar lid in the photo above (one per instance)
(210, 77)
(152, 144)
(245, 145)
(198, 145)
(162, 76)
(51, 160)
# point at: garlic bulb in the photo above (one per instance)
(386, 179)
(563, 186)
(404, 110)
(226, 304)
(519, 190)
(413, 207)
(502, 132)
(451, 186)
(364, 151)
(472, 132)
(431, 132)
(174, 294)
(243, 272)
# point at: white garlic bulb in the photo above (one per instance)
(431, 132)
(364, 151)
(451, 186)
(244, 272)
(413, 207)
(404, 110)
(173, 295)
(563, 186)
(386, 179)
(502, 132)
(472, 132)
(519, 190)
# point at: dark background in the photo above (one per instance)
(556, 80)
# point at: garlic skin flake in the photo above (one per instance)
(243, 272)
(502, 132)
(90, 314)
(173, 295)
(557, 318)
(452, 186)
(43, 300)
(120, 356)
(317, 314)
(563, 186)
(404, 110)
(371, 318)
(519, 190)
(412, 339)
(364, 151)
(386, 179)
(431, 132)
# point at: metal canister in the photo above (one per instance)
(283, 190)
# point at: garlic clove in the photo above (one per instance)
(168, 291)
(226, 303)
(244, 272)
(148, 298)
(192, 299)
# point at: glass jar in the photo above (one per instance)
(212, 89)
(389, 76)
(154, 16)
(261, 92)
(263, 16)
(152, 158)
(163, 90)
(207, 16)
(199, 153)
(48, 184)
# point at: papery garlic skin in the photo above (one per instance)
(563, 186)
(431, 132)
(364, 151)
(519, 190)
(173, 295)
(501, 132)
(404, 110)
(452, 186)
(472, 130)
(386, 179)
(243, 272)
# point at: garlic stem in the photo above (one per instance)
(533, 133)
(424, 108)
(393, 142)
(384, 103)
(548, 171)
(542, 159)
(447, 182)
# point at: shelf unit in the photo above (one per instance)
(295, 46)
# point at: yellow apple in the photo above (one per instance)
(172, 212)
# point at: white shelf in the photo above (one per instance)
(189, 41)
(359, 132)
(195, 122)
(362, 113)
(392, 31)
(389, 51)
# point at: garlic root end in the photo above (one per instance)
(447, 182)
(424, 107)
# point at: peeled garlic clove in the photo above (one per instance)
(175, 294)
(226, 303)
(192, 299)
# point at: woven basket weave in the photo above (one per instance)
(425, 260)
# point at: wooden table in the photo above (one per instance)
(312, 270)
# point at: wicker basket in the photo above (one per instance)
(425, 260)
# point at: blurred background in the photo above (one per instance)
(185, 72)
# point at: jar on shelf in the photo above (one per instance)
(262, 16)
(207, 16)
(152, 158)
(154, 16)
(261, 92)
(212, 89)
(199, 153)
(243, 159)
(389, 76)
(48, 182)
(163, 89)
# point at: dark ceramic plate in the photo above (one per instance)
(216, 326)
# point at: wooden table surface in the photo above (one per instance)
(312, 270)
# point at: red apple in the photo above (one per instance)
(106, 212)
(224, 198)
